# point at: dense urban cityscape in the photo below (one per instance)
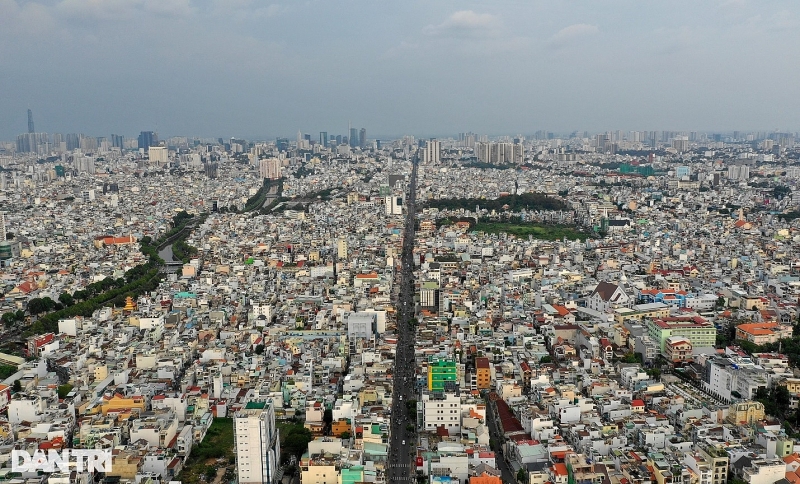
(564, 308)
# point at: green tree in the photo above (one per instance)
(545, 359)
(781, 396)
(781, 191)
(296, 442)
(17, 386)
(8, 319)
(6, 371)
(36, 306)
(63, 390)
(345, 435)
(48, 303)
(748, 346)
(522, 476)
(259, 349)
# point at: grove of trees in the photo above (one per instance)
(516, 203)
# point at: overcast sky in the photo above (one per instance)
(259, 70)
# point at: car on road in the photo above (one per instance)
(404, 442)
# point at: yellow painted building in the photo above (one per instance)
(319, 474)
(118, 402)
(624, 314)
(125, 466)
(745, 412)
(483, 373)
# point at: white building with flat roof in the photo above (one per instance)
(158, 154)
(257, 443)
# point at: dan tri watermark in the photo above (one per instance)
(66, 460)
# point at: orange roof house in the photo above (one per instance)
(761, 333)
(485, 479)
(105, 241)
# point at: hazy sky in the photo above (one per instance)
(429, 67)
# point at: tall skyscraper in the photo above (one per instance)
(73, 141)
(30, 122)
(362, 138)
(147, 139)
(323, 138)
(257, 443)
(32, 142)
(270, 168)
(117, 141)
(84, 164)
(499, 153)
(431, 153)
(681, 143)
(353, 137)
(158, 155)
(738, 172)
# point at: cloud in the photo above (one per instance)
(27, 18)
(728, 4)
(466, 23)
(272, 10)
(172, 8)
(122, 9)
(242, 10)
(572, 33)
(97, 9)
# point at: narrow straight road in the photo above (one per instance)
(402, 441)
(494, 432)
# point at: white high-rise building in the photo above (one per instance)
(432, 152)
(270, 168)
(84, 164)
(257, 443)
(394, 205)
(441, 409)
(738, 172)
(681, 143)
(158, 154)
(499, 153)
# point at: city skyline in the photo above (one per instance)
(153, 139)
(211, 68)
